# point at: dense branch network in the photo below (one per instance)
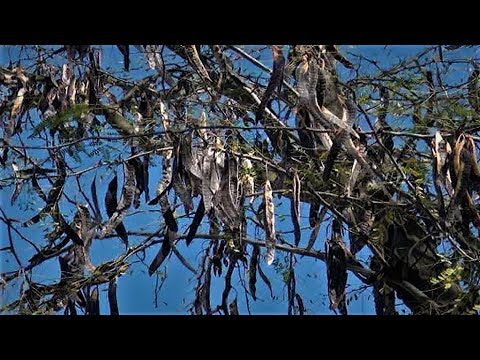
(384, 162)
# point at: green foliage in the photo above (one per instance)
(72, 113)
(449, 276)
(417, 169)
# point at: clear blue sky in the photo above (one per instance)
(136, 289)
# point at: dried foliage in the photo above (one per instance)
(382, 160)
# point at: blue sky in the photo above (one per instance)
(136, 289)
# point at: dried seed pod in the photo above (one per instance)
(269, 223)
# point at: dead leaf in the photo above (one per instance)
(94, 303)
(194, 58)
(276, 80)
(18, 184)
(154, 59)
(125, 50)
(247, 179)
(93, 190)
(17, 104)
(111, 196)
(121, 210)
(161, 256)
(338, 56)
(166, 182)
(265, 280)
(112, 297)
(140, 181)
(196, 222)
(297, 189)
(336, 270)
(301, 307)
(234, 307)
(252, 271)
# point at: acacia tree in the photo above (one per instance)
(375, 158)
